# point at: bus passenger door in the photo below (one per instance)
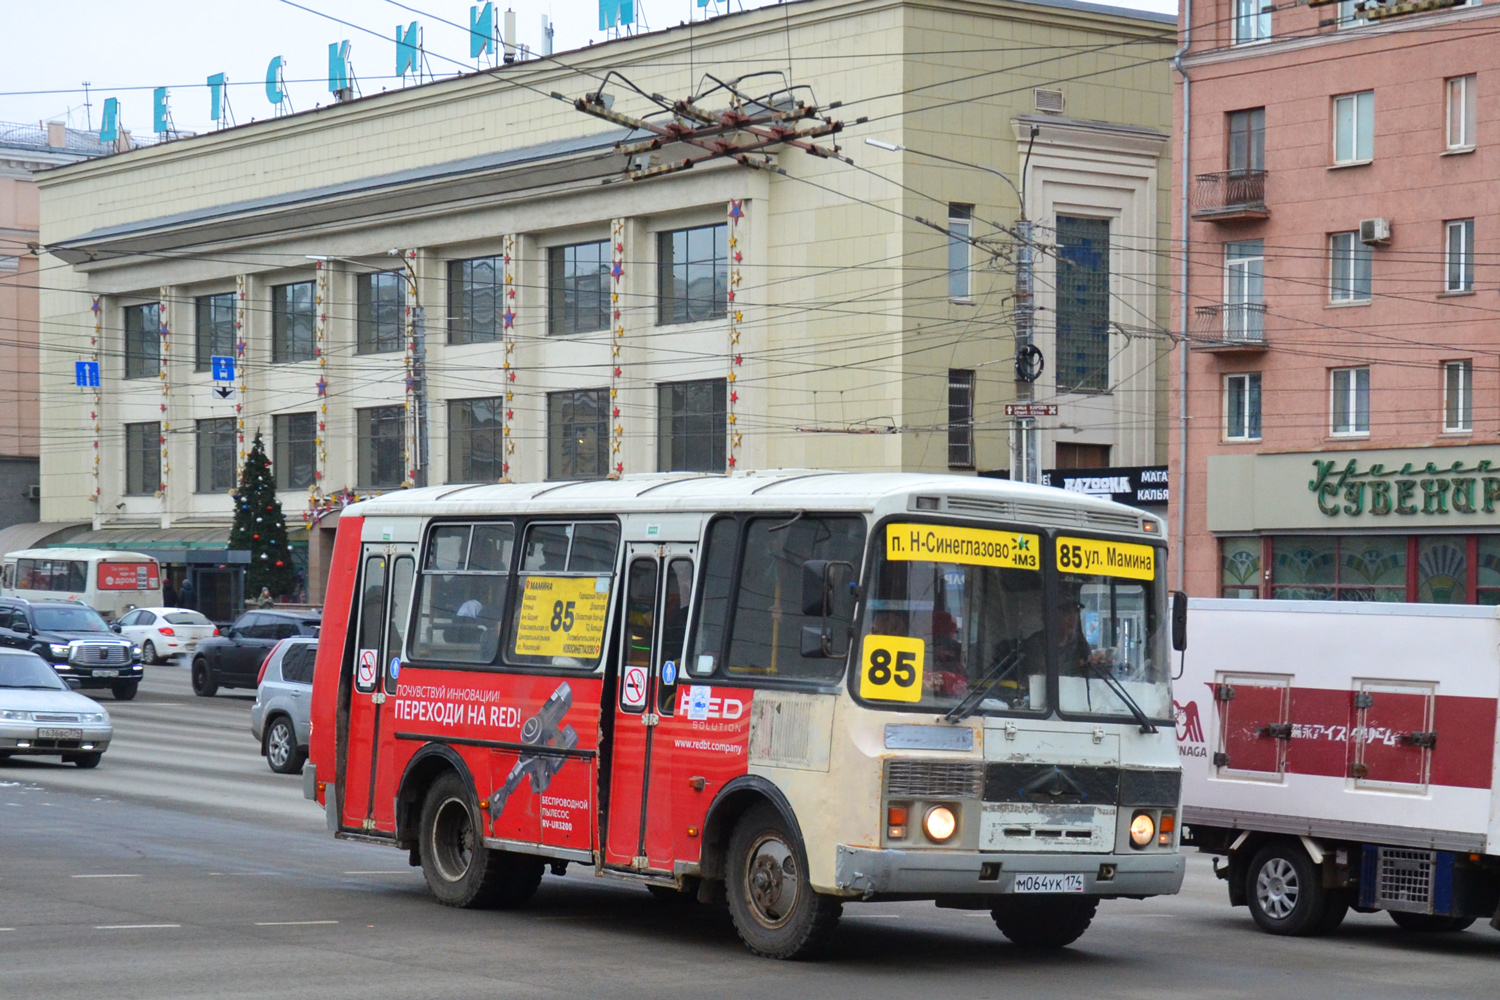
(386, 574)
(658, 584)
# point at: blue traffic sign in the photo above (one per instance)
(223, 368)
(86, 374)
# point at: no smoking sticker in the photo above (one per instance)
(365, 677)
(633, 693)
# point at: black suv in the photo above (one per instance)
(233, 659)
(75, 640)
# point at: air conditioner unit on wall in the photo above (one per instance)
(1374, 231)
(33, 492)
(1048, 101)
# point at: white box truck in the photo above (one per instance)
(1344, 755)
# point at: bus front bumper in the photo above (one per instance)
(929, 873)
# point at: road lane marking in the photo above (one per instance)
(401, 871)
(872, 916)
(292, 923)
(132, 927)
(104, 876)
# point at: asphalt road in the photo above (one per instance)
(182, 867)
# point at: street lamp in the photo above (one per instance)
(1025, 459)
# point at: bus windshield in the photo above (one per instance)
(954, 610)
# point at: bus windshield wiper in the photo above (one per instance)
(969, 704)
(1113, 683)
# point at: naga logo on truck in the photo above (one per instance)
(1189, 730)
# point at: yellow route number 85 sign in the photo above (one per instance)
(890, 668)
(1100, 558)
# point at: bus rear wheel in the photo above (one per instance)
(458, 868)
(772, 903)
(1044, 922)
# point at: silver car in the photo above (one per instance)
(40, 715)
(283, 694)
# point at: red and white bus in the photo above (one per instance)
(784, 690)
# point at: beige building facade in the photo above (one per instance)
(456, 282)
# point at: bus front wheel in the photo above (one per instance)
(458, 868)
(1044, 922)
(774, 907)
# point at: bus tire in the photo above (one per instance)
(1284, 890)
(458, 868)
(1429, 923)
(124, 690)
(1044, 922)
(772, 903)
(203, 681)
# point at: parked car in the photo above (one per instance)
(279, 717)
(233, 658)
(163, 633)
(41, 715)
(75, 640)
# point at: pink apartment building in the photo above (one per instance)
(1336, 414)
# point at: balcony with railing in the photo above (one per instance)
(1230, 196)
(1229, 326)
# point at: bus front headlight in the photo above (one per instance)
(939, 823)
(1142, 829)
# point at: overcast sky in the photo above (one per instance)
(125, 48)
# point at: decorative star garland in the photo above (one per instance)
(320, 441)
(736, 317)
(240, 340)
(94, 342)
(409, 258)
(164, 355)
(508, 333)
(617, 325)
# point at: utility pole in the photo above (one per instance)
(1025, 450)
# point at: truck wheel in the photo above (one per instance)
(772, 903)
(1429, 923)
(203, 681)
(1044, 922)
(124, 690)
(1285, 891)
(458, 868)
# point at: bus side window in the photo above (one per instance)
(78, 577)
(461, 595)
(768, 620)
(718, 582)
(401, 582)
(677, 595)
(372, 604)
(8, 575)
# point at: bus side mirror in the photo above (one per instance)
(1179, 620)
(817, 589)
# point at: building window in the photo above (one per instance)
(1458, 395)
(296, 440)
(379, 326)
(1351, 401)
(1443, 569)
(293, 323)
(1244, 290)
(215, 333)
(1242, 407)
(960, 251)
(382, 446)
(1487, 560)
(1338, 568)
(1349, 276)
(216, 471)
(1458, 256)
(476, 440)
(1240, 568)
(476, 300)
(1461, 112)
(142, 459)
(1247, 140)
(960, 419)
(578, 434)
(578, 288)
(1071, 455)
(1082, 314)
(1354, 127)
(691, 426)
(692, 272)
(143, 341)
(1252, 21)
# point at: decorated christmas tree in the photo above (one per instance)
(260, 528)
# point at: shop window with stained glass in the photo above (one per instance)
(1332, 568)
(1443, 569)
(1487, 590)
(1241, 568)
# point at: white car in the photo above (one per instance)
(40, 714)
(163, 633)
